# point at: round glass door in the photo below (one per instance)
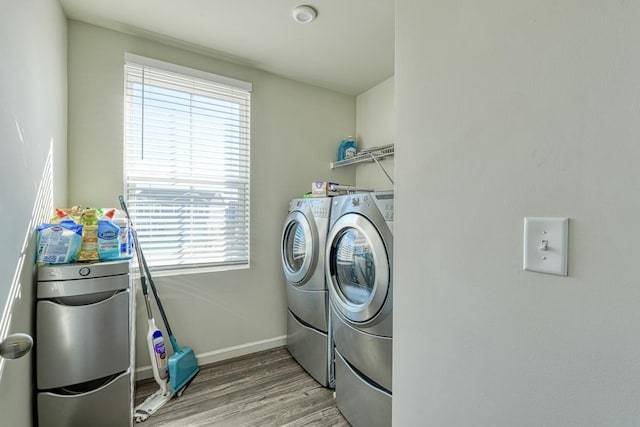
(354, 266)
(295, 247)
(298, 252)
(358, 268)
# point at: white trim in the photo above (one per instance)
(198, 270)
(167, 66)
(145, 372)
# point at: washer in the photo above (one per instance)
(359, 270)
(303, 242)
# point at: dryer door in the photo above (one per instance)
(299, 248)
(357, 268)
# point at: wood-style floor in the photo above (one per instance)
(262, 389)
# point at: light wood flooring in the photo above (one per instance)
(262, 389)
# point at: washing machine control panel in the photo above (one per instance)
(382, 200)
(320, 207)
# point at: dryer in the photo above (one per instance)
(359, 270)
(302, 252)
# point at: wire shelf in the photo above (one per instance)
(366, 156)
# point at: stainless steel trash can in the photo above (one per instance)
(83, 342)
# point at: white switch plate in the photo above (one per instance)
(546, 242)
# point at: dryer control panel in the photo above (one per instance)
(320, 207)
(384, 201)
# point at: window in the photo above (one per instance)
(186, 164)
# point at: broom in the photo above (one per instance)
(183, 365)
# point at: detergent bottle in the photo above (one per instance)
(61, 216)
(347, 148)
(113, 237)
(108, 245)
(124, 235)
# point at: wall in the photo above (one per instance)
(295, 129)
(33, 117)
(506, 110)
(375, 126)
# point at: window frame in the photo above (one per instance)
(238, 86)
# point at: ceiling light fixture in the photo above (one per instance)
(304, 14)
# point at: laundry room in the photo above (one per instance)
(296, 129)
(472, 123)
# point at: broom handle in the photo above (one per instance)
(147, 272)
(154, 290)
(143, 279)
(145, 290)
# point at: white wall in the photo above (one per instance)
(375, 126)
(506, 110)
(33, 117)
(295, 132)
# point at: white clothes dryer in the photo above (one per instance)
(359, 269)
(302, 251)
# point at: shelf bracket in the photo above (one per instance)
(382, 168)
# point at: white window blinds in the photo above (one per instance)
(186, 164)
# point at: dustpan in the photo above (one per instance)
(182, 364)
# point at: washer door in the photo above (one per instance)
(357, 268)
(299, 248)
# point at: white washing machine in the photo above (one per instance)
(302, 250)
(359, 270)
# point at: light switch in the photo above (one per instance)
(546, 243)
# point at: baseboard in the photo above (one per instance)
(144, 372)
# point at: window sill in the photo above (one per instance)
(196, 270)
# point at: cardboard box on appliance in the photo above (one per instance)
(326, 189)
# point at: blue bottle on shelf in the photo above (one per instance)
(347, 148)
